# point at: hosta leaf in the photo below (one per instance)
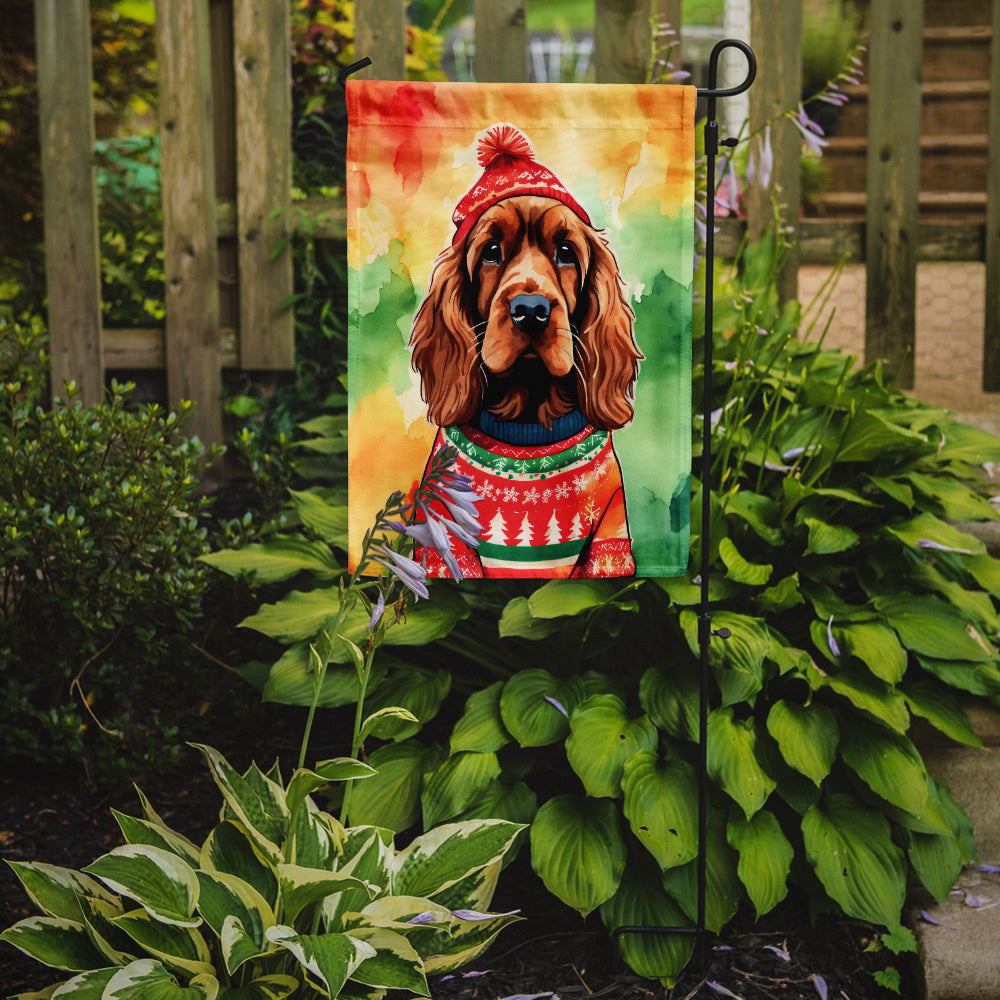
(976, 678)
(262, 812)
(516, 803)
(578, 851)
(739, 569)
(601, 739)
(932, 628)
(738, 661)
(661, 799)
(159, 881)
(481, 728)
(765, 858)
(517, 620)
(98, 916)
(807, 736)
(671, 700)
(466, 941)
(330, 959)
(141, 831)
(417, 690)
(641, 901)
(888, 763)
(180, 948)
(937, 860)
(275, 987)
(366, 855)
(876, 646)
(530, 706)
(327, 520)
(54, 941)
(850, 848)
(301, 887)
(387, 723)
(225, 897)
(561, 598)
(941, 709)
(56, 891)
(456, 784)
(395, 964)
(723, 889)
(230, 849)
(866, 692)
(292, 681)
(441, 857)
(783, 595)
(928, 528)
(986, 571)
(828, 539)
(147, 979)
(732, 760)
(760, 512)
(279, 558)
(870, 435)
(391, 798)
(87, 986)
(957, 501)
(304, 782)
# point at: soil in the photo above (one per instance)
(550, 953)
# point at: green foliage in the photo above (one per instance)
(853, 603)
(280, 899)
(101, 587)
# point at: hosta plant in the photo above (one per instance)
(279, 900)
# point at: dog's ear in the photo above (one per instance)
(443, 344)
(607, 356)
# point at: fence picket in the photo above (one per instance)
(380, 34)
(501, 41)
(72, 257)
(190, 251)
(892, 215)
(991, 332)
(262, 62)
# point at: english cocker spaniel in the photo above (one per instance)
(525, 350)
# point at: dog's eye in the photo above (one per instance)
(565, 255)
(492, 253)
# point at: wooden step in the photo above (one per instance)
(956, 53)
(944, 103)
(945, 12)
(947, 162)
(958, 206)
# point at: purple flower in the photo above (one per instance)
(427, 917)
(719, 988)
(811, 132)
(820, 983)
(780, 952)
(760, 166)
(410, 573)
(831, 642)
(475, 915)
(927, 543)
(558, 705)
(431, 534)
(377, 612)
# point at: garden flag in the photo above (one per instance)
(520, 273)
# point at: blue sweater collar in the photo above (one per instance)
(512, 432)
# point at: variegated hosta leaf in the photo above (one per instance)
(535, 706)
(256, 801)
(732, 760)
(456, 784)
(481, 727)
(661, 799)
(642, 902)
(578, 851)
(723, 889)
(888, 763)
(395, 964)
(87, 986)
(225, 897)
(850, 847)
(765, 858)
(475, 891)
(56, 891)
(807, 736)
(274, 987)
(367, 853)
(116, 947)
(149, 980)
(466, 941)
(54, 941)
(328, 959)
(177, 947)
(602, 737)
(315, 838)
(441, 857)
(300, 887)
(304, 782)
(141, 831)
(230, 849)
(158, 880)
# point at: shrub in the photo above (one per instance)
(99, 539)
(280, 899)
(854, 605)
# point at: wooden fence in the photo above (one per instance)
(226, 161)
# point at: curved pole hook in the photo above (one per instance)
(353, 68)
(712, 90)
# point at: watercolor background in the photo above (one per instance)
(627, 155)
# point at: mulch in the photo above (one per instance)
(551, 953)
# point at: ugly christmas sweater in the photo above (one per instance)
(553, 502)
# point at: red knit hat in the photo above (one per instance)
(509, 169)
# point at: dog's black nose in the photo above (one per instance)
(530, 313)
